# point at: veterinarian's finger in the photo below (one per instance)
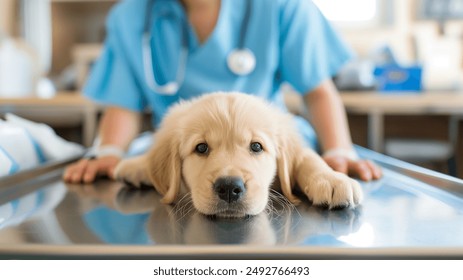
(375, 169)
(73, 173)
(67, 174)
(109, 164)
(339, 164)
(93, 167)
(360, 169)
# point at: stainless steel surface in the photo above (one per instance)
(410, 213)
(23, 182)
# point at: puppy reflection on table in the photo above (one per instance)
(281, 224)
(228, 150)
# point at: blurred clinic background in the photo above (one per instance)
(403, 92)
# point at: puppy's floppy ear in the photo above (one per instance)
(288, 148)
(164, 165)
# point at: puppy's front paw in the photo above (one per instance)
(333, 190)
(132, 171)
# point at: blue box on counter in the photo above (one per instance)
(396, 78)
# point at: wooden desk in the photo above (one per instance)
(376, 105)
(402, 103)
(66, 107)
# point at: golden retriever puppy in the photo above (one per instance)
(228, 149)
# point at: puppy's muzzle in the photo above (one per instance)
(229, 189)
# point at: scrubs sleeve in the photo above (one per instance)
(112, 80)
(310, 49)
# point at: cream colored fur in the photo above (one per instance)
(229, 123)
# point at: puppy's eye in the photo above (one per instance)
(256, 147)
(202, 148)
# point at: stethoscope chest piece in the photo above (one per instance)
(241, 61)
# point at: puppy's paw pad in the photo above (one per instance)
(333, 190)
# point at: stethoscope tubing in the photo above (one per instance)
(241, 61)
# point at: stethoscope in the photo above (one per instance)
(241, 61)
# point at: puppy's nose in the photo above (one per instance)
(229, 189)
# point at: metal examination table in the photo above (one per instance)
(410, 213)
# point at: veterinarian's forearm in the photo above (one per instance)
(119, 127)
(328, 117)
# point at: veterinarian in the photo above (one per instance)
(159, 52)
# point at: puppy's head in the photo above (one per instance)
(227, 148)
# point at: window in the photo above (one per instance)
(356, 12)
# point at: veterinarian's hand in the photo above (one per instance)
(362, 169)
(86, 170)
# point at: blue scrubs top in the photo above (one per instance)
(291, 40)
